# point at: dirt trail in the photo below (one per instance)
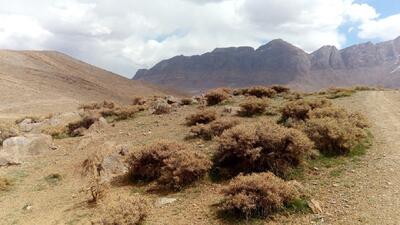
(374, 193)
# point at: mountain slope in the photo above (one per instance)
(36, 81)
(279, 62)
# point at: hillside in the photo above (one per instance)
(43, 81)
(279, 62)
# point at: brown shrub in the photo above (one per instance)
(257, 195)
(335, 131)
(186, 101)
(253, 106)
(138, 101)
(215, 97)
(57, 132)
(130, 210)
(213, 129)
(120, 113)
(76, 128)
(161, 107)
(339, 92)
(280, 89)
(5, 184)
(261, 92)
(259, 147)
(97, 105)
(171, 164)
(201, 117)
(298, 110)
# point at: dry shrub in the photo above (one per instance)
(213, 129)
(339, 92)
(77, 128)
(57, 132)
(186, 101)
(172, 165)
(253, 106)
(201, 117)
(97, 105)
(335, 131)
(131, 210)
(5, 184)
(299, 109)
(120, 113)
(257, 195)
(259, 147)
(90, 169)
(215, 97)
(7, 131)
(261, 92)
(138, 101)
(280, 89)
(161, 107)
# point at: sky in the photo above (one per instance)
(126, 35)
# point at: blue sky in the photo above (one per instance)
(135, 34)
(384, 8)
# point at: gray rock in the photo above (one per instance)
(29, 144)
(164, 201)
(7, 160)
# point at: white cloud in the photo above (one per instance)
(126, 35)
(382, 29)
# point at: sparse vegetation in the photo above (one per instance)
(5, 184)
(333, 93)
(257, 195)
(120, 113)
(298, 110)
(124, 211)
(7, 131)
(253, 106)
(280, 89)
(261, 92)
(77, 128)
(97, 106)
(161, 107)
(215, 97)
(260, 147)
(201, 117)
(213, 129)
(171, 164)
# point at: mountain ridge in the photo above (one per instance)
(279, 62)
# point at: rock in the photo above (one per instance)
(172, 100)
(112, 166)
(161, 107)
(231, 110)
(7, 160)
(29, 144)
(315, 206)
(164, 201)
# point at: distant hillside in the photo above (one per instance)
(35, 81)
(279, 62)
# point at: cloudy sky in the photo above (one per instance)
(125, 35)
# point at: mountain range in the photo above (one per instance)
(280, 62)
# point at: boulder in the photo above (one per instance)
(112, 166)
(29, 144)
(8, 160)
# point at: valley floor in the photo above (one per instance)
(361, 190)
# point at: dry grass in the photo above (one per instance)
(335, 131)
(261, 92)
(259, 147)
(217, 96)
(257, 195)
(120, 113)
(120, 210)
(279, 89)
(7, 131)
(186, 101)
(253, 106)
(201, 117)
(5, 184)
(213, 129)
(172, 165)
(97, 106)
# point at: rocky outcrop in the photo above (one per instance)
(279, 62)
